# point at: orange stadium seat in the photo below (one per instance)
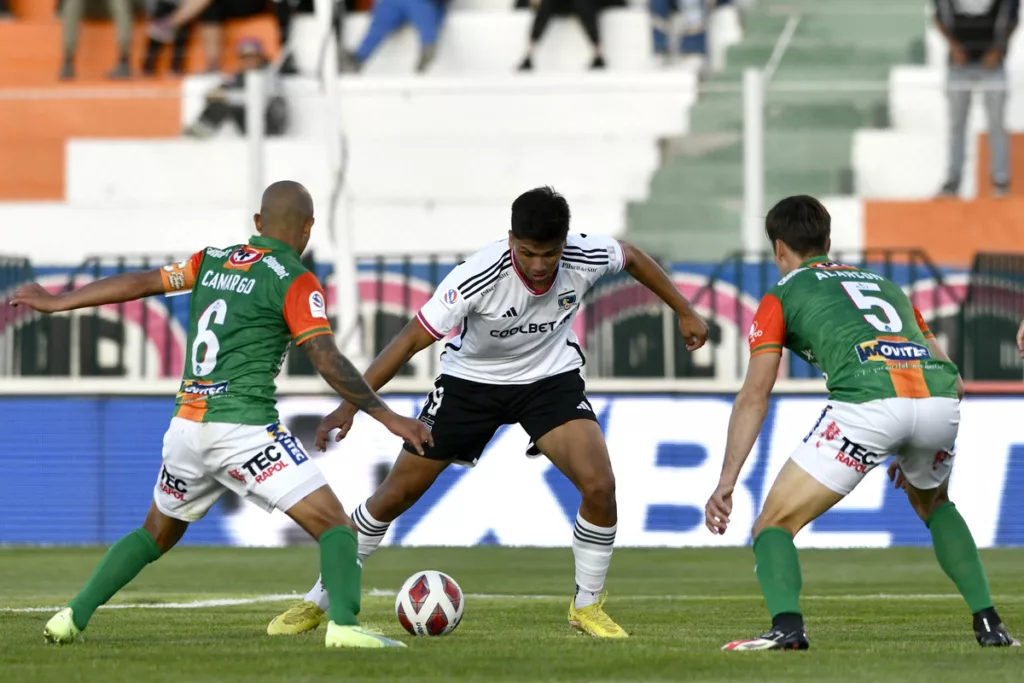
(36, 122)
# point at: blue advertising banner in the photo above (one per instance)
(82, 470)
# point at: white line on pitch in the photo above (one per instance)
(379, 593)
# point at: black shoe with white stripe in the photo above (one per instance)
(990, 630)
(787, 633)
(775, 639)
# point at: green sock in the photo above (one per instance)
(958, 556)
(778, 570)
(119, 566)
(342, 574)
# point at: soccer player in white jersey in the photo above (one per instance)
(516, 360)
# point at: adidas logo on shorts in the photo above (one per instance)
(510, 313)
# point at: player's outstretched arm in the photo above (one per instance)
(109, 290)
(647, 272)
(411, 340)
(748, 413)
(345, 379)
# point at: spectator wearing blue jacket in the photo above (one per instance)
(426, 16)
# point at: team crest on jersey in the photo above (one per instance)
(197, 389)
(243, 257)
(567, 300)
(892, 351)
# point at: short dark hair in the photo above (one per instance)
(540, 215)
(802, 223)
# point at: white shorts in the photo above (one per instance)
(201, 460)
(850, 439)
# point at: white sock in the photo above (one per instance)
(592, 548)
(371, 533)
(318, 594)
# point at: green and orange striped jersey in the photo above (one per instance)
(249, 302)
(859, 328)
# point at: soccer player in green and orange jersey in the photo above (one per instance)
(249, 302)
(891, 391)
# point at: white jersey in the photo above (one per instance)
(512, 333)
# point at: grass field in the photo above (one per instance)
(872, 615)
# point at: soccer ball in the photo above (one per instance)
(429, 604)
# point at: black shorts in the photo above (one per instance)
(463, 415)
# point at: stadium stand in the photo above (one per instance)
(448, 149)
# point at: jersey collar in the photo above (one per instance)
(816, 259)
(270, 243)
(530, 288)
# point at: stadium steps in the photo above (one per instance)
(39, 113)
(695, 204)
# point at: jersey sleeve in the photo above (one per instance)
(448, 306)
(768, 331)
(305, 309)
(179, 278)
(590, 250)
(923, 325)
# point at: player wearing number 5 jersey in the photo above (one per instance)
(249, 302)
(515, 360)
(892, 391)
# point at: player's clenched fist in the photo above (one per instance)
(718, 509)
(694, 330)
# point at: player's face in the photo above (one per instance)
(537, 261)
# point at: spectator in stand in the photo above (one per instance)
(162, 28)
(164, 9)
(586, 10)
(227, 101)
(390, 15)
(978, 32)
(71, 16)
(694, 13)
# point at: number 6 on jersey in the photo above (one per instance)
(215, 314)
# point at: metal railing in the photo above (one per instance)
(626, 332)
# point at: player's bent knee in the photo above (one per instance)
(926, 502)
(766, 521)
(599, 491)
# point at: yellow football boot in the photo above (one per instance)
(300, 617)
(593, 621)
(356, 636)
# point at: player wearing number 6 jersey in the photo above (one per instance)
(249, 302)
(515, 360)
(892, 391)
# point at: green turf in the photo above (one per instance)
(678, 605)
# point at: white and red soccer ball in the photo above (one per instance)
(429, 604)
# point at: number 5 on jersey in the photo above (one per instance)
(214, 314)
(855, 290)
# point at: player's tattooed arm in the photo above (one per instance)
(109, 290)
(647, 272)
(345, 379)
(342, 376)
